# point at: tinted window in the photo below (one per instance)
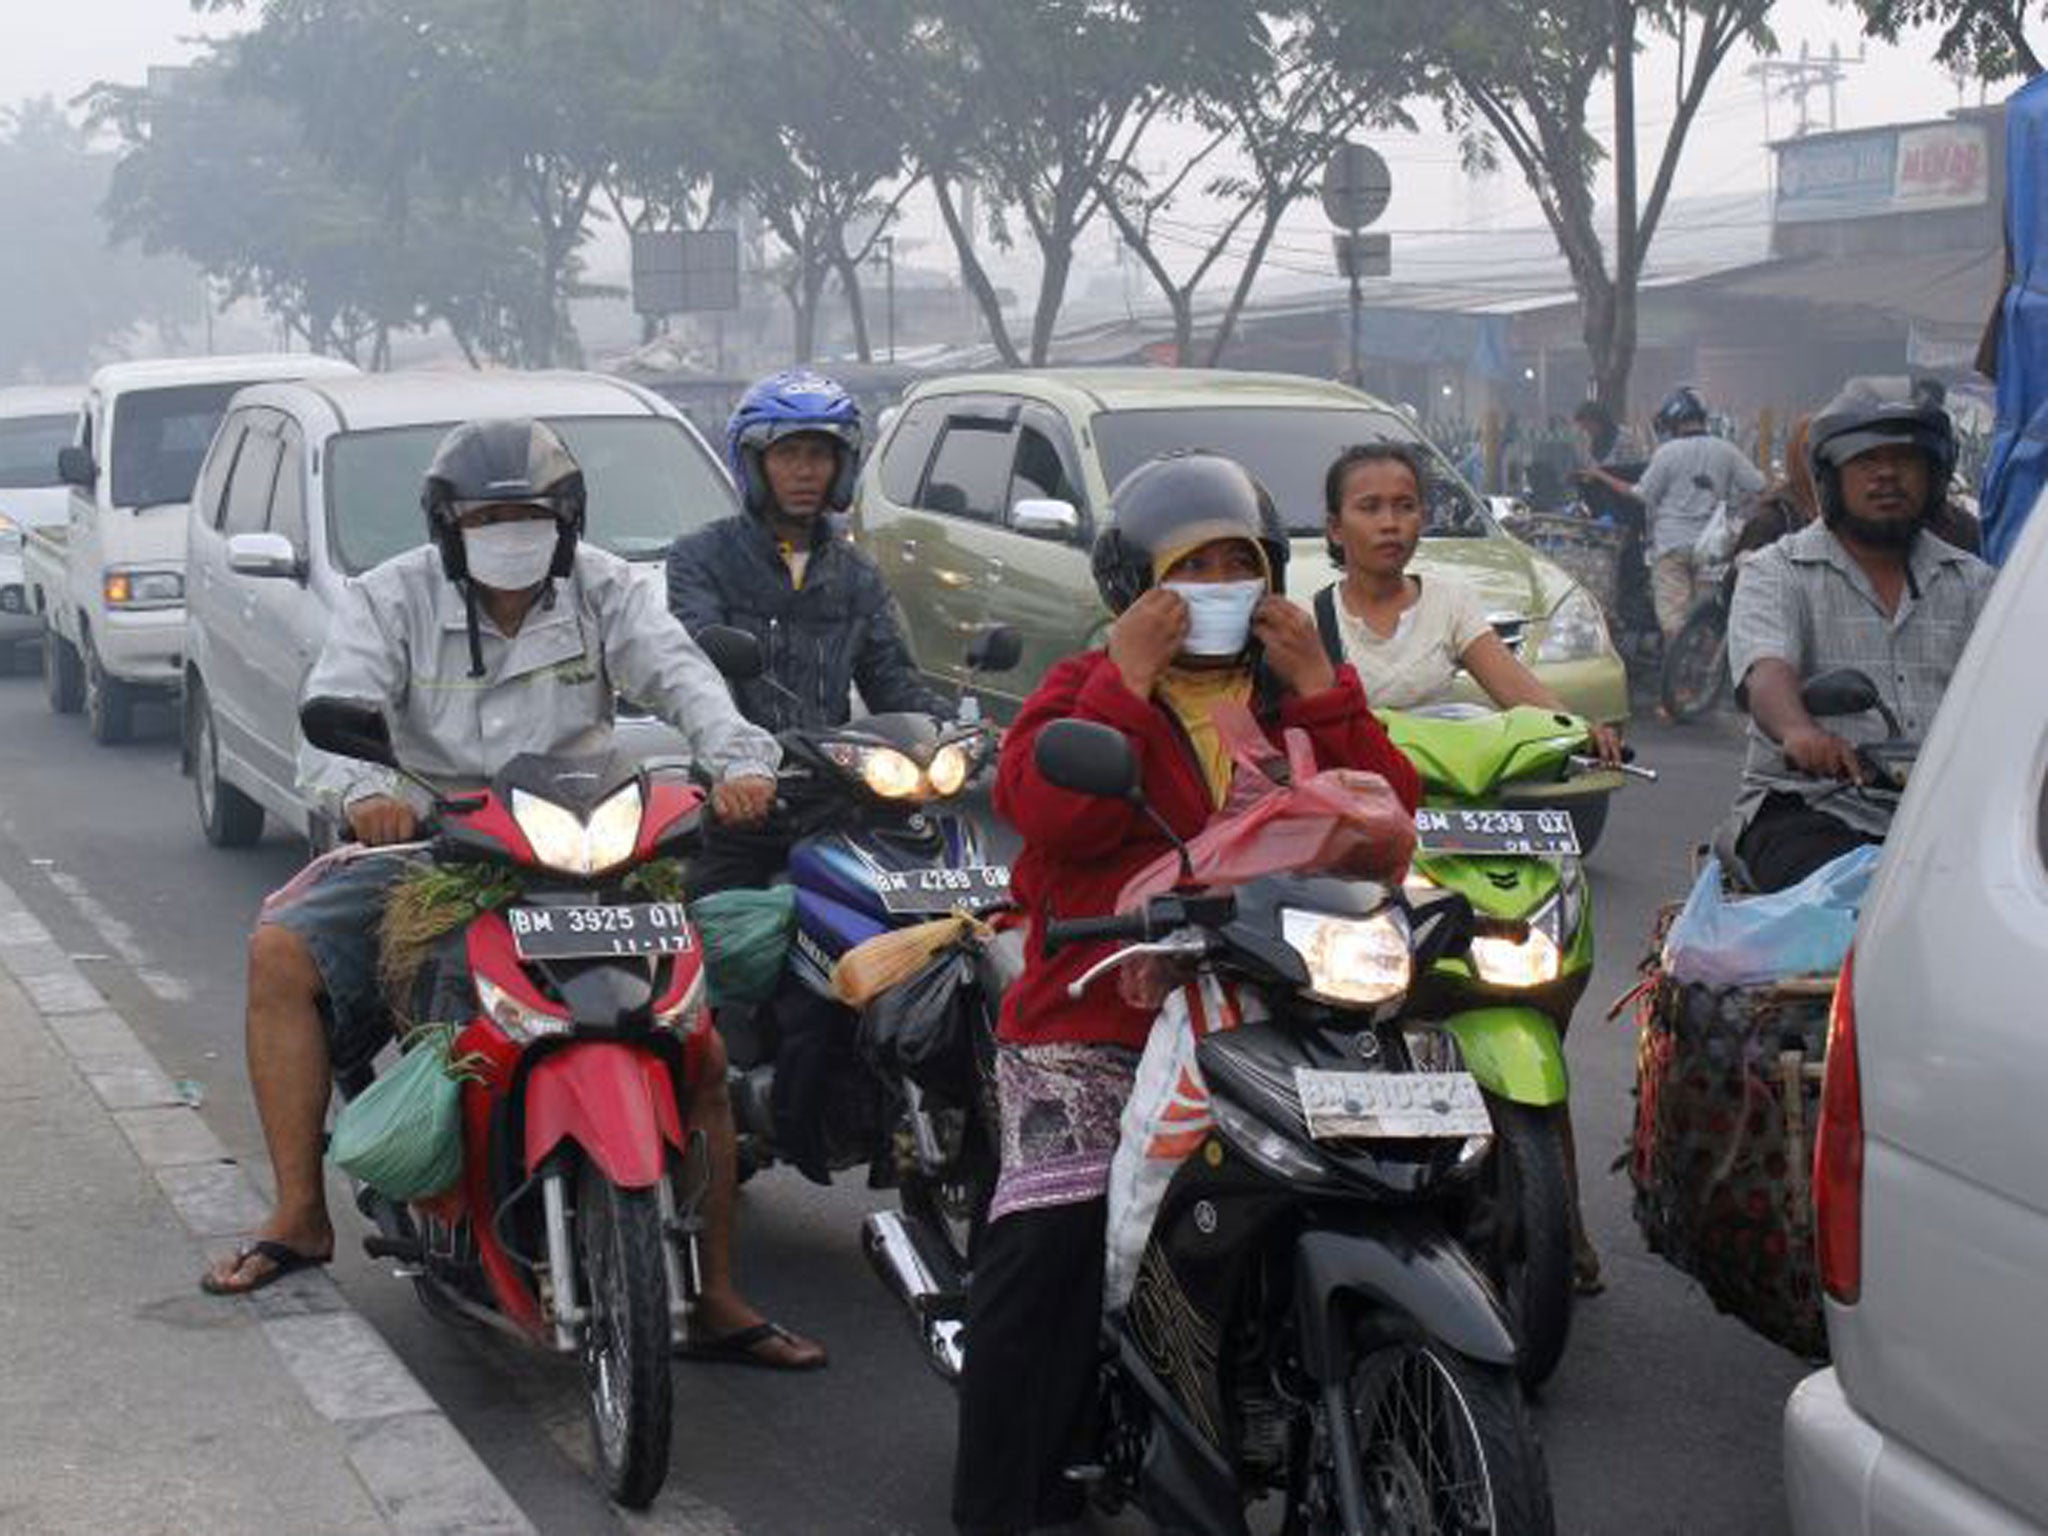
(648, 480)
(28, 449)
(1040, 472)
(971, 471)
(909, 450)
(160, 437)
(249, 487)
(288, 498)
(209, 495)
(1289, 449)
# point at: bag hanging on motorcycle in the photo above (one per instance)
(402, 1135)
(889, 959)
(746, 937)
(1752, 940)
(923, 1027)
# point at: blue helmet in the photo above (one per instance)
(782, 405)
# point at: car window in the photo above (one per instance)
(28, 449)
(288, 496)
(909, 449)
(1289, 449)
(160, 437)
(210, 495)
(1042, 471)
(970, 474)
(647, 480)
(248, 508)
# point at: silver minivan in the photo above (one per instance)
(308, 485)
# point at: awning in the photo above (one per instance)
(1930, 290)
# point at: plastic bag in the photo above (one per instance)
(871, 968)
(1164, 1120)
(746, 937)
(1716, 541)
(923, 1027)
(1336, 821)
(402, 1135)
(1801, 931)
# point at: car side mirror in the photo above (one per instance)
(264, 555)
(735, 653)
(997, 648)
(348, 729)
(1844, 691)
(75, 467)
(1087, 758)
(1043, 517)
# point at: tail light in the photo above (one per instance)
(1838, 1152)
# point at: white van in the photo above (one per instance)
(108, 584)
(311, 484)
(1931, 1181)
(36, 424)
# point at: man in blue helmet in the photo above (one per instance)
(782, 572)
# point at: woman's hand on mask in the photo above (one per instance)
(1294, 648)
(1146, 637)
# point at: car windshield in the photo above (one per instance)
(28, 450)
(646, 478)
(160, 437)
(1289, 448)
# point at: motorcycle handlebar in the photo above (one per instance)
(1078, 930)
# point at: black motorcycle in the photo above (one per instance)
(1300, 1322)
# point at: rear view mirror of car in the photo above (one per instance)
(1045, 518)
(1087, 758)
(348, 729)
(265, 555)
(997, 648)
(735, 653)
(75, 467)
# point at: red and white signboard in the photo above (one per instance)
(1947, 165)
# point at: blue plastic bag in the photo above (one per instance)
(1803, 930)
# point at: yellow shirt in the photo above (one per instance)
(1193, 693)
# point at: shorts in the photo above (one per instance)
(340, 915)
(1672, 589)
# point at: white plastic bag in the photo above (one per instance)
(1165, 1119)
(1803, 930)
(1717, 540)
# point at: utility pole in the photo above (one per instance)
(1799, 79)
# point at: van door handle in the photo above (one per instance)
(907, 552)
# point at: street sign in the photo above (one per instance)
(1363, 255)
(678, 271)
(1356, 186)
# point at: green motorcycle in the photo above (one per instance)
(1504, 799)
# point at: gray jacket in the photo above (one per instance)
(399, 640)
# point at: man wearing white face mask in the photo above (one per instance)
(503, 634)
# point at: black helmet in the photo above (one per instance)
(494, 463)
(1682, 407)
(1172, 504)
(1870, 413)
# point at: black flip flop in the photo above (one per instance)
(284, 1260)
(740, 1348)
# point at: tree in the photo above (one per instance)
(1526, 86)
(1985, 38)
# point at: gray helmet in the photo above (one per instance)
(511, 461)
(1870, 413)
(1172, 502)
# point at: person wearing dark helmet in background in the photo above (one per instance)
(504, 633)
(1868, 586)
(1192, 562)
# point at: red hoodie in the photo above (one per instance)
(1079, 850)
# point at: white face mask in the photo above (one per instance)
(1219, 614)
(511, 557)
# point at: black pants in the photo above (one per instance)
(1787, 840)
(1027, 1394)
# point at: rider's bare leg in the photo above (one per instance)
(721, 1310)
(288, 1069)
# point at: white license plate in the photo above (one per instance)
(1497, 832)
(971, 886)
(1346, 1105)
(583, 933)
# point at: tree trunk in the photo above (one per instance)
(1226, 327)
(975, 275)
(1056, 249)
(848, 271)
(1616, 359)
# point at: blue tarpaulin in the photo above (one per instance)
(2017, 469)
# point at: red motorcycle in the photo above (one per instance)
(581, 1011)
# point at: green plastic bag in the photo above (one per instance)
(746, 937)
(402, 1135)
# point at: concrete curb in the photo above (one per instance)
(424, 1478)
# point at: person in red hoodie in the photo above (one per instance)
(1192, 563)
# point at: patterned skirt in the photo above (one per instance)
(1061, 1106)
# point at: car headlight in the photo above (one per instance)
(1575, 631)
(948, 771)
(142, 589)
(573, 847)
(522, 1021)
(10, 533)
(1533, 961)
(1351, 959)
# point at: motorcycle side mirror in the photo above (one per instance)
(998, 648)
(735, 653)
(1844, 691)
(348, 729)
(1087, 758)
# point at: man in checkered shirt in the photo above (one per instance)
(1868, 588)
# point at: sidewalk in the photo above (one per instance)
(129, 1401)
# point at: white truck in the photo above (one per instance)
(108, 584)
(36, 421)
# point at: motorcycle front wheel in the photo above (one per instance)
(1696, 663)
(1526, 1243)
(624, 1288)
(1445, 1448)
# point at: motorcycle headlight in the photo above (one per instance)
(1351, 959)
(573, 847)
(949, 770)
(890, 774)
(522, 1021)
(1533, 962)
(688, 1013)
(1258, 1143)
(1575, 631)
